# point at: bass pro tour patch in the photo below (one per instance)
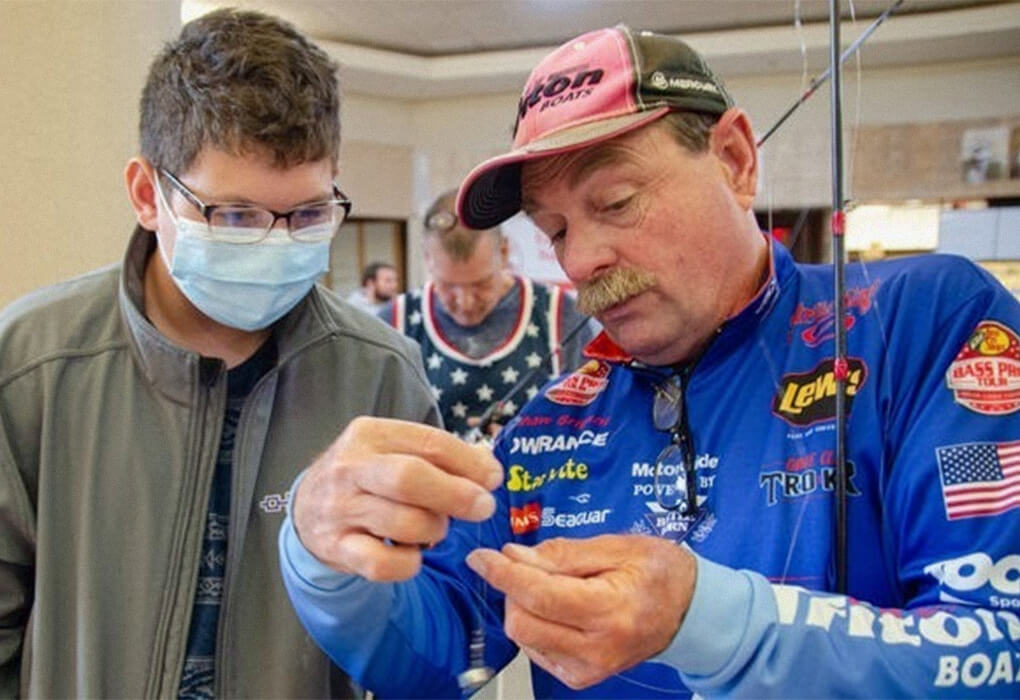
(582, 386)
(985, 376)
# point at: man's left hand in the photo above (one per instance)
(586, 609)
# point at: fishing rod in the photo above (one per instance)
(820, 79)
(839, 362)
(490, 414)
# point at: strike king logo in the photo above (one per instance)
(808, 398)
(985, 376)
(820, 318)
(581, 387)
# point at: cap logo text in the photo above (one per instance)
(556, 84)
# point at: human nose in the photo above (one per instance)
(463, 298)
(586, 252)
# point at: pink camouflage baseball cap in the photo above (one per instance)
(593, 88)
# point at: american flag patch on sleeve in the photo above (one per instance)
(979, 478)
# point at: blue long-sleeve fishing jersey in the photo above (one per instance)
(933, 462)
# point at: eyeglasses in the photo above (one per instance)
(243, 223)
(441, 221)
(676, 486)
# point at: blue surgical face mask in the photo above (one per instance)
(242, 285)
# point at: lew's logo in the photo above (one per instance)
(804, 399)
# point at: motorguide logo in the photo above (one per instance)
(985, 376)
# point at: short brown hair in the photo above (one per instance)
(457, 241)
(691, 129)
(243, 82)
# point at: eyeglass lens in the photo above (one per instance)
(314, 223)
(441, 220)
(675, 477)
(671, 478)
(667, 409)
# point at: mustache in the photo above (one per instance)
(617, 285)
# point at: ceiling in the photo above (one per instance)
(415, 49)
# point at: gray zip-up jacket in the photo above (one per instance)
(108, 442)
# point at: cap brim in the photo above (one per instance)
(491, 193)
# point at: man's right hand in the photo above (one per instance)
(386, 488)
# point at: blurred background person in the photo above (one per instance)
(379, 284)
(482, 329)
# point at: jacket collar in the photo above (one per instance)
(735, 329)
(175, 371)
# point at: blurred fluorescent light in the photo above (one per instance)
(193, 9)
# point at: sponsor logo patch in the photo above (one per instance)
(671, 525)
(569, 521)
(820, 318)
(979, 478)
(582, 386)
(977, 670)
(274, 502)
(923, 628)
(525, 519)
(802, 479)
(541, 444)
(985, 376)
(808, 398)
(978, 579)
(520, 479)
(531, 420)
(557, 89)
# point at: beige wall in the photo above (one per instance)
(72, 72)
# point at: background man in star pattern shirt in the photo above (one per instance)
(481, 328)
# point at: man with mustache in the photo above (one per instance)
(483, 330)
(666, 520)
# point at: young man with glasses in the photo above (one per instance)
(706, 420)
(483, 330)
(154, 414)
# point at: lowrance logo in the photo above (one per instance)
(978, 578)
(541, 444)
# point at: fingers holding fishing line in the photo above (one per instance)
(384, 490)
(592, 607)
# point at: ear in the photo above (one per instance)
(139, 176)
(732, 141)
